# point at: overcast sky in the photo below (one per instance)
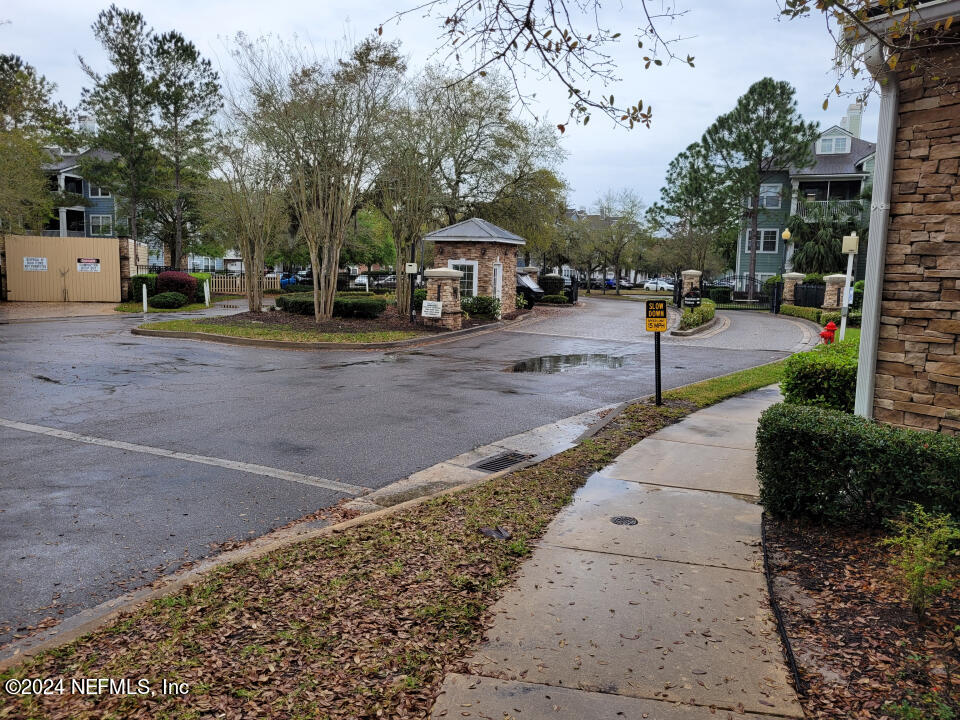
(735, 43)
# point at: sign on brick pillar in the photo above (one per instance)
(691, 280)
(790, 282)
(443, 285)
(831, 297)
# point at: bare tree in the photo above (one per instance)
(565, 40)
(324, 122)
(247, 201)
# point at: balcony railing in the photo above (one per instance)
(835, 208)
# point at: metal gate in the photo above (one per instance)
(62, 269)
(744, 292)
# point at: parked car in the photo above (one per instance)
(389, 281)
(304, 275)
(658, 284)
(626, 284)
(360, 281)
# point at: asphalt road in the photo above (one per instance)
(81, 522)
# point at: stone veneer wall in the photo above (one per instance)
(918, 358)
(446, 251)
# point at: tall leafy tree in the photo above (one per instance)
(186, 95)
(697, 211)
(761, 136)
(29, 120)
(620, 229)
(122, 104)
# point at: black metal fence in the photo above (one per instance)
(744, 292)
(811, 295)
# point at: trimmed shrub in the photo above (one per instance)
(176, 281)
(807, 313)
(168, 300)
(825, 376)
(481, 306)
(551, 284)
(695, 317)
(345, 307)
(419, 295)
(353, 293)
(858, 286)
(138, 281)
(853, 318)
(770, 282)
(720, 294)
(828, 466)
(813, 279)
(201, 278)
(555, 300)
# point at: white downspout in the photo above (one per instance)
(879, 220)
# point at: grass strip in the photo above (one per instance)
(265, 332)
(362, 623)
(137, 307)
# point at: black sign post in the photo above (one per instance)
(657, 323)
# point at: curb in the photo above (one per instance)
(694, 331)
(294, 345)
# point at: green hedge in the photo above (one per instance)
(554, 300)
(345, 307)
(808, 313)
(481, 306)
(853, 318)
(825, 376)
(813, 279)
(202, 278)
(168, 300)
(551, 284)
(828, 466)
(695, 317)
(138, 281)
(419, 295)
(720, 295)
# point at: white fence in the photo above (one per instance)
(237, 285)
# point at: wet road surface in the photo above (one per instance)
(84, 521)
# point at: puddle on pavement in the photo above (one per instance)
(599, 488)
(562, 363)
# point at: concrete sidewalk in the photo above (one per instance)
(663, 616)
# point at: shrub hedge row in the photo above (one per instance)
(554, 300)
(177, 284)
(720, 294)
(695, 317)
(551, 284)
(481, 306)
(821, 317)
(825, 376)
(419, 295)
(345, 307)
(167, 300)
(829, 466)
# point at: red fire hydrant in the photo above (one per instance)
(829, 330)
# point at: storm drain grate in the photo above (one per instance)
(623, 520)
(501, 461)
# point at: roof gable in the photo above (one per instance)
(475, 230)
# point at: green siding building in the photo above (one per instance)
(842, 167)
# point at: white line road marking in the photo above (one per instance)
(342, 487)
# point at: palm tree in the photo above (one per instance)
(817, 234)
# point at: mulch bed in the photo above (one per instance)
(858, 644)
(389, 320)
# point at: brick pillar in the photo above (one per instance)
(834, 289)
(444, 285)
(691, 280)
(790, 281)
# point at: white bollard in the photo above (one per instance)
(144, 286)
(206, 292)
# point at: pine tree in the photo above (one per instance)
(186, 95)
(122, 104)
(761, 136)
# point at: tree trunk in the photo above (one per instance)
(752, 242)
(616, 278)
(314, 265)
(177, 217)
